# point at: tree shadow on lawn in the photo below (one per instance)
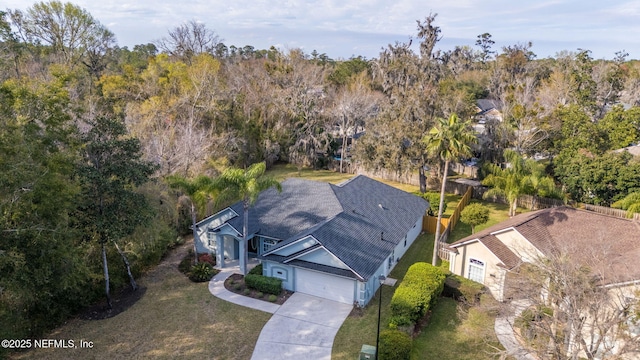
(121, 301)
(127, 297)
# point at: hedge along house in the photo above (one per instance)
(331, 241)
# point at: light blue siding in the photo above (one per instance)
(404, 244)
(300, 245)
(280, 271)
(321, 256)
(372, 286)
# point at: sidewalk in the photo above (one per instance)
(217, 289)
(506, 336)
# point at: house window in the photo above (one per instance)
(211, 236)
(391, 259)
(476, 271)
(267, 244)
(405, 241)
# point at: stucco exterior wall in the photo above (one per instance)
(519, 245)
(493, 276)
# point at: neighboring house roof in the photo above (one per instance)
(486, 105)
(359, 221)
(570, 231)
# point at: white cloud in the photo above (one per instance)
(361, 27)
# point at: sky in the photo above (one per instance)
(345, 28)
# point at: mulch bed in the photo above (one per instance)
(235, 284)
(120, 302)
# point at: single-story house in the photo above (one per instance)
(331, 241)
(489, 255)
(488, 110)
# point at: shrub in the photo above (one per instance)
(273, 298)
(434, 202)
(237, 286)
(206, 258)
(394, 345)
(419, 290)
(201, 272)
(247, 291)
(256, 270)
(259, 294)
(179, 240)
(474, 214)
(185, 264)
(462, 289)
(264, 284)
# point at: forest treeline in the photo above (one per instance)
(89, 130)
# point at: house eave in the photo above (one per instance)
(216, 214)
(289, 244)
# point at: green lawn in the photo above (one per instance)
(175, 319)
(497, 213)
(284, 171)
(450, 334)
(458, 333)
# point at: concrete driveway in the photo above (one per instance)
(302, 328)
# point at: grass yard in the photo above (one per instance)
(450, 334)
(497, 213)
(455, 333)
(282, 171)
(175, 319)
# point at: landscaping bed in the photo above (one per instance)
(235, 283)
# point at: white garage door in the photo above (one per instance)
(324, 286)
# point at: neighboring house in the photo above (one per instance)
(489, 255)
(331, 241)
(605, 246)
(487, 110)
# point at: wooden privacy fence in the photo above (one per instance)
(610, 211)
(429, 222)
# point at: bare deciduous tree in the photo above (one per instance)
(188, 40)
(576, 306)
(354, 104)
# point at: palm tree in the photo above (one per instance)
(519, 177)
(245, 184)
(449, 140)
(197, 191)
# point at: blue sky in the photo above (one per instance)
(342, 28)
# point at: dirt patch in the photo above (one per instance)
(357, 311)
(235, 283)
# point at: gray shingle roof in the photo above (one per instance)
(301, 204)
(347, 219)
(488, 104)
